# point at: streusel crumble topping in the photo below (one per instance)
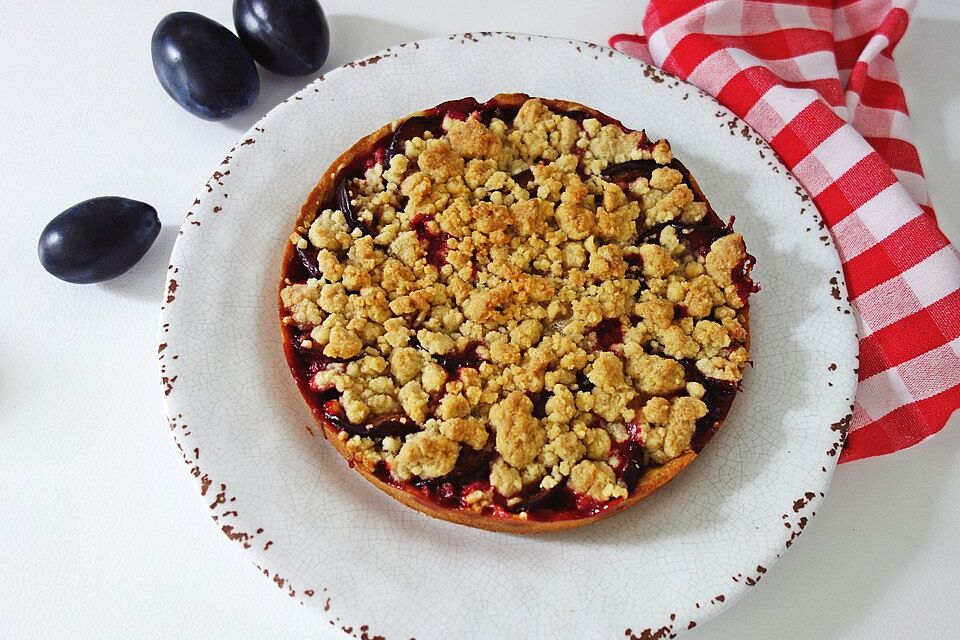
(520, 300)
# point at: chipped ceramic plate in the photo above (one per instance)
(371, 566)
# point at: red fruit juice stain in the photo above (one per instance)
(434, 242)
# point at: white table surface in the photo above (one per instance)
(101, 533)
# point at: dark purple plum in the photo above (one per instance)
(379, 427)
(538, 498)
(525, 179)
(471, 465)
(203, 66)
(98, 239)
(630, 170)
(289, 37)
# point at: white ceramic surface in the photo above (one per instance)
(332, 541)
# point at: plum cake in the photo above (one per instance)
(517, 315)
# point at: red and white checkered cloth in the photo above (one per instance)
(816, 78)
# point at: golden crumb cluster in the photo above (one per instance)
(504, 240)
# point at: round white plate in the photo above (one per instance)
(376, 568)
